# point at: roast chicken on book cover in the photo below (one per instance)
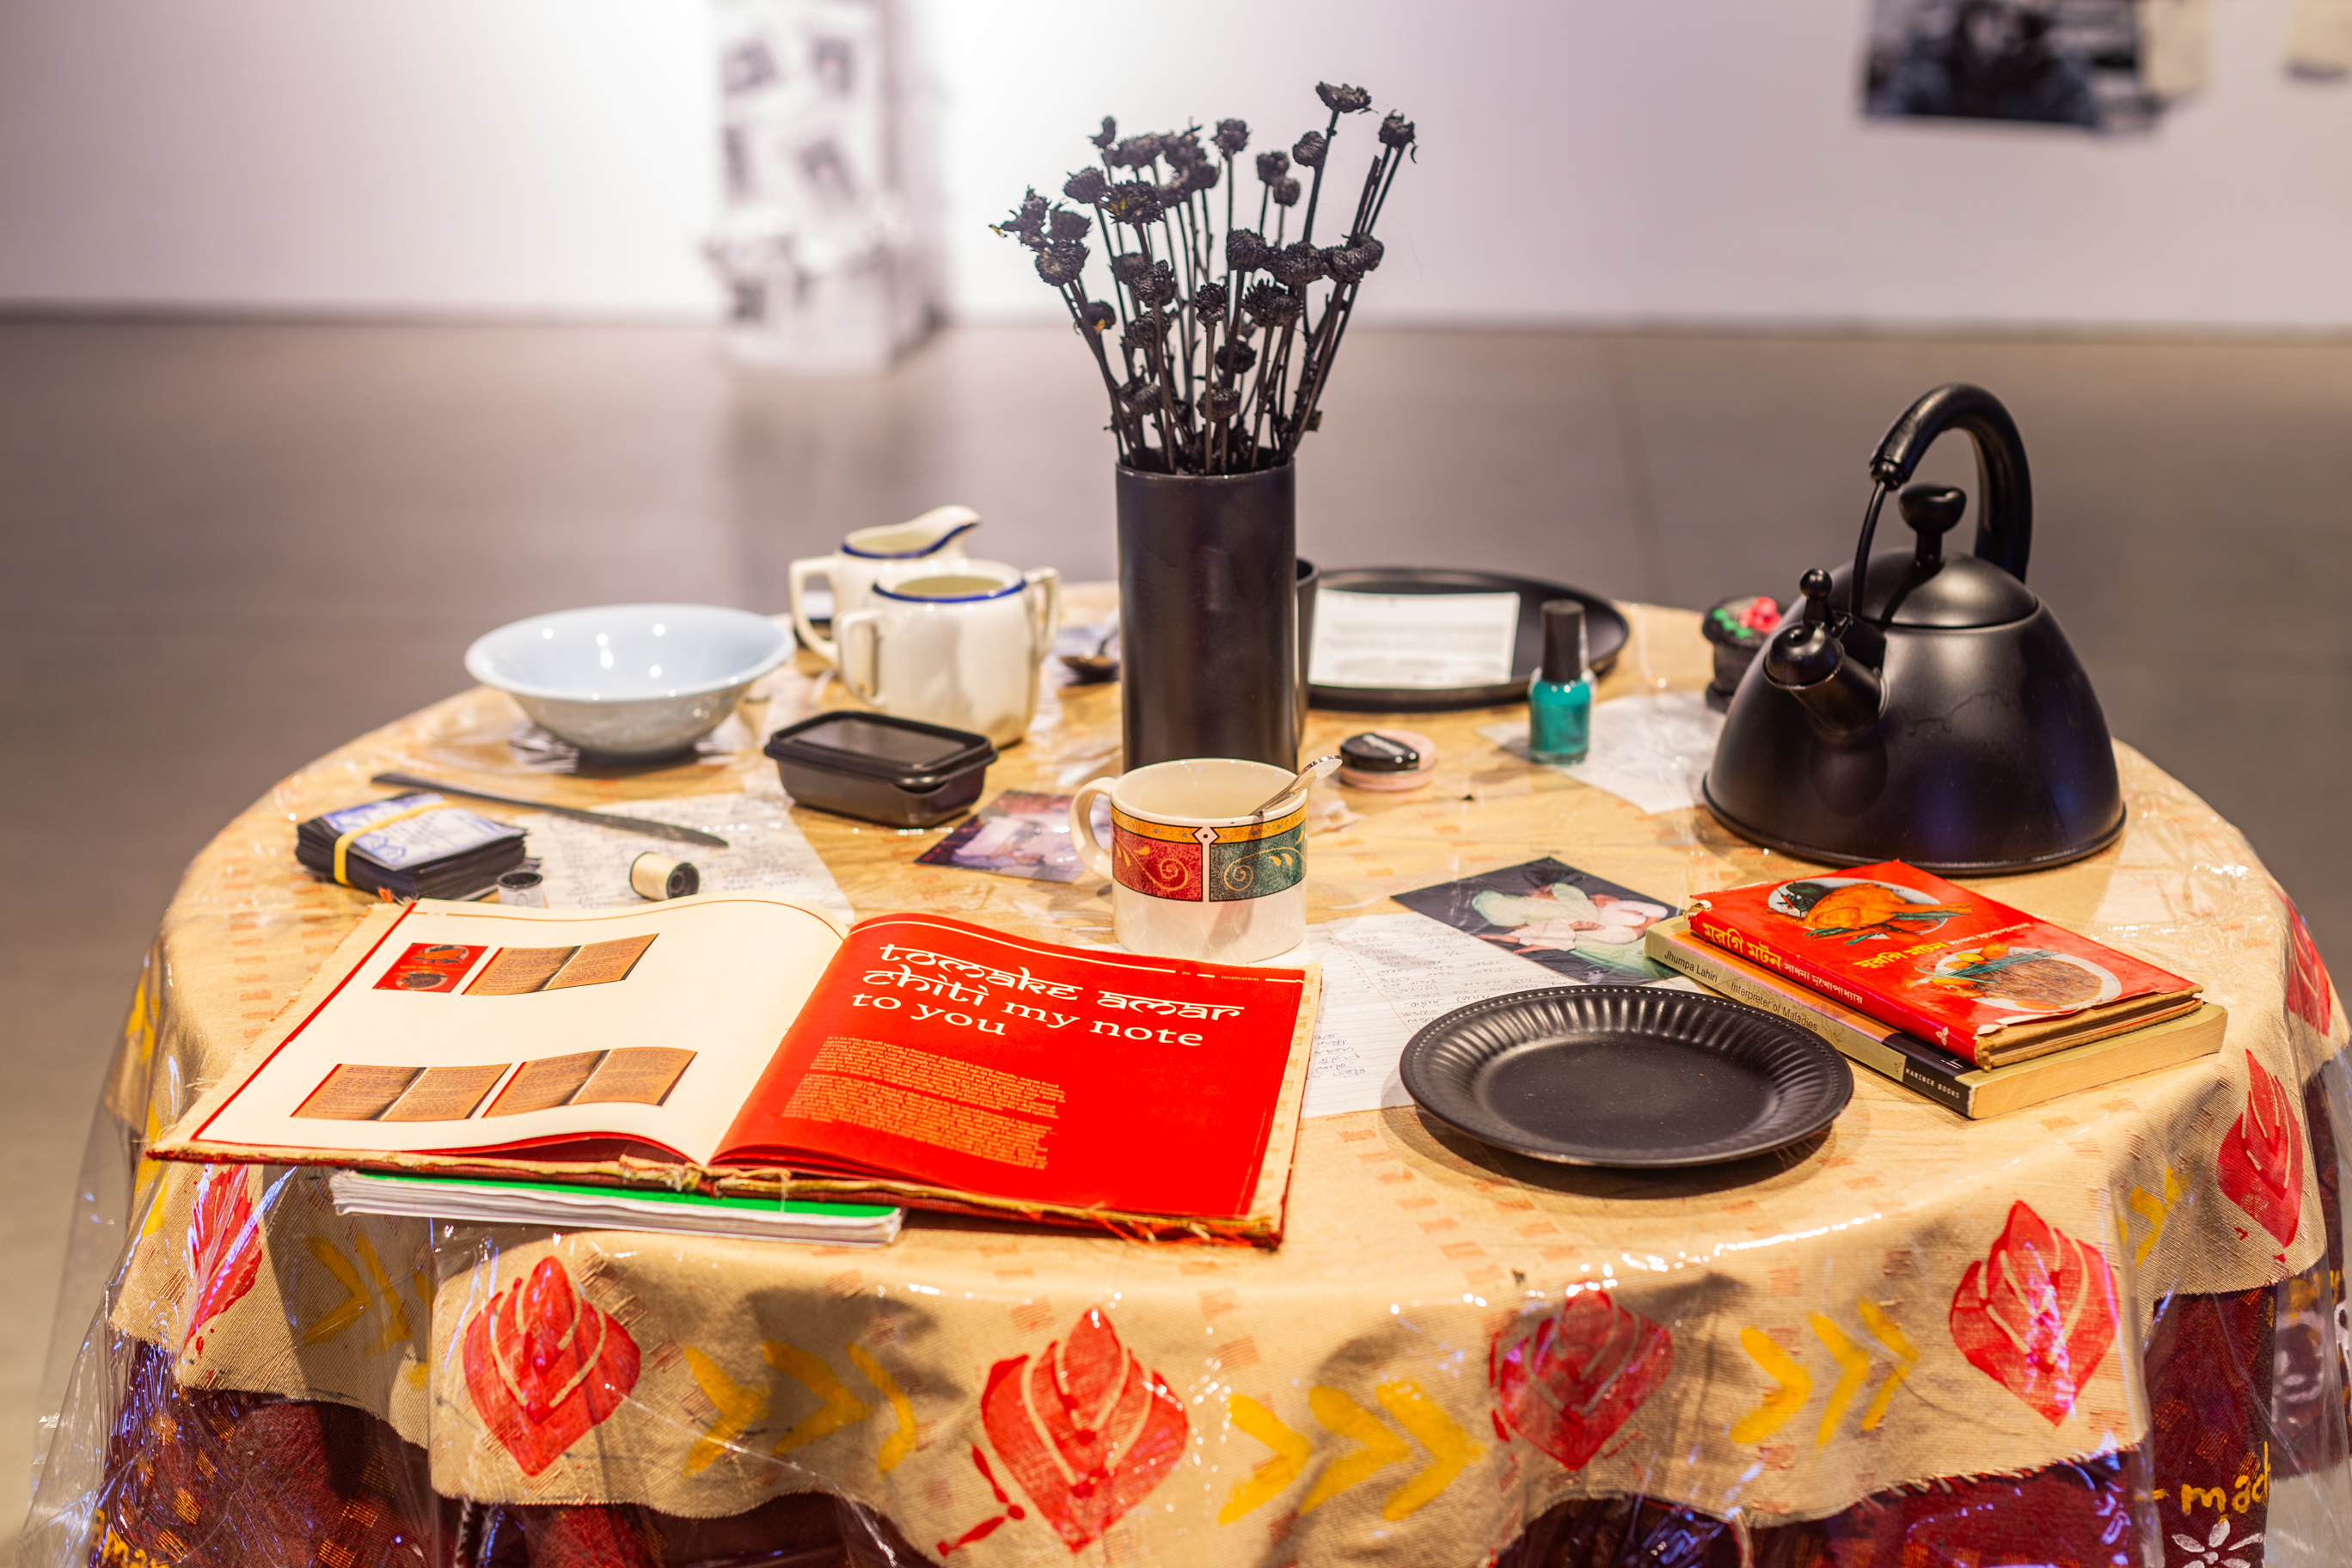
(1972, 974)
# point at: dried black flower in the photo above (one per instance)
(1129, 267)
(1285, 192)
(1369, 252)
(1061, 264)
(1244, 249)
(1233, 135)
(1148, 329)
(1136, 152)
(1235, 358)
(1297, 264)
(1087, 185)
(1110, 133)
(1200, 176)
(1220, 404)
(1272, 166)
(1341, 264)
(1157, 287)
(1141, 395)
(1182, 148)
(1100, 316)
(1209, 300)
(1310, 150)
(1271, 306)
(1342, 99)
(1396, 130)
(1028, 219)
(1135, 202)
(1065, 225)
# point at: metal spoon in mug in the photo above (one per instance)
(1321, 767)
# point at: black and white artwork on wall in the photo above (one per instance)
(2048, 62)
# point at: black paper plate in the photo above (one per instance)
(1625, 1076)
(1604, 634)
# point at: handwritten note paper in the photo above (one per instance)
(588, 868)
(1383, 977)
(1652, 750)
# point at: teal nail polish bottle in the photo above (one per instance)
(1559, 698)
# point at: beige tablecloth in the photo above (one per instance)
(1449, 1341)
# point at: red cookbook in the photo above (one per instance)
(1980, 978)
(745, 1045)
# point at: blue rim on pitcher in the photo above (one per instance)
(1012, 587)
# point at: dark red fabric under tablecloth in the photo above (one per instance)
(243, 1480)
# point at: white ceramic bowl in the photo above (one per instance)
(630, 680)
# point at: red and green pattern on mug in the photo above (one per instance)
(1195, 871)
(1247, 860)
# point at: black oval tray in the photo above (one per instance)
(1625, 1076)
(1604, 632)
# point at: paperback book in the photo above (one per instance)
(747, 1045)
(1983, 980)
(1942, 1076)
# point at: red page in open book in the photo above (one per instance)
(942, 1053)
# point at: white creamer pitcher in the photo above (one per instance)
(957, 646)
(872, 555)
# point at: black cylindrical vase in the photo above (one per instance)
(1208, 606)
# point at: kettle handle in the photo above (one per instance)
(2004, 487)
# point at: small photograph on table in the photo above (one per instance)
(1548, 912)
(1016, 835)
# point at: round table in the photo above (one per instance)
(2105, 1327)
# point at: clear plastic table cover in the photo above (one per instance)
(2106, 1329)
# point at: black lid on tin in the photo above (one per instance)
(1373, 753)
(1564, 655)
(912, 755)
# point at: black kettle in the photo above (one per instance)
(1939, 716)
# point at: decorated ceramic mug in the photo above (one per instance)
(868, 556)
(1193, 873)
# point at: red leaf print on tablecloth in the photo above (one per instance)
(543, 1365)
(1567, 1384)
(2309, 996)
(1084, 1428)
(224, 1247)
(2037, 1314)
(2261, 1165)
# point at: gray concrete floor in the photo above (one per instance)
(229, 547)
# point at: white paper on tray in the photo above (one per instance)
(1651, 749)
(1413, 639)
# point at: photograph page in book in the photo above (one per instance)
(450, 1028)
(1975, 976)
(947, 1056)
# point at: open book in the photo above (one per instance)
(747, 1045)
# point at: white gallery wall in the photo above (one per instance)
(1696, 161)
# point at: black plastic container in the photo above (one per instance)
(881, 769)
(1208, 598)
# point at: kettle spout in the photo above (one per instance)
(1807, 658)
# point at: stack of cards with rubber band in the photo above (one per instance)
(410, 846)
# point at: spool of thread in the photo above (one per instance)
(1388, 760)
(523, 889)
(657, 876)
